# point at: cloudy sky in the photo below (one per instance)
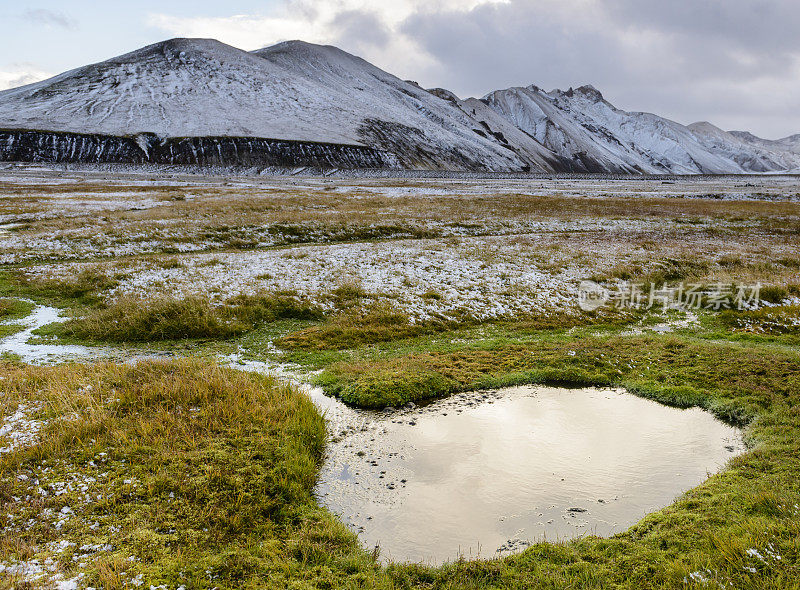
(735, 63)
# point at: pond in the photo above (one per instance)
(487, 473)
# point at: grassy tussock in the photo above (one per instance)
(263, 308)
(131, 319)
(206, 478)
(357, 327)
(84, 287)
(773, 293)
(14, 308)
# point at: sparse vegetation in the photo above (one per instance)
(84, 288)
(357, 327)
(659, 272)
(767, 320)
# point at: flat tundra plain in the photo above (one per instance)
(442, 248)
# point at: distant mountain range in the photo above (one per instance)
(199, 101)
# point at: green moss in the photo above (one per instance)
(9, 329)
(672, 369)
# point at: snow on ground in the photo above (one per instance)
(503, 246)
(20, 429)
(169, 236)
(47, 223)
(421, 277)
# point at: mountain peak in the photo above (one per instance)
(176, 47)
(745, 135)
(299, 47)
(586, 91)
(302, 50)
(705, 127)
(590, 92)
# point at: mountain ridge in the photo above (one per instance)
(302, 93)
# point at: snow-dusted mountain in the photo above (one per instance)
(581, 125)
(752, 153)
(292, 91)
(200, 101)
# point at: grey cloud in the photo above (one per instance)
(687, 59)
(759, 26)
(513, 44)
(42, 16)
(359, 30)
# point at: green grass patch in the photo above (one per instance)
(132, 319)
(264, 308)
(357, 327)
(773, 293)
(13, 309)
(732, 381)
(84, 289)
(9, 329)
(657, 273)
(183, 472)
(380, 323)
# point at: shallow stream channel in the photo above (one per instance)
(486, 473)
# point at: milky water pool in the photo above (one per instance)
(484, 474)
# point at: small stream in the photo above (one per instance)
(43, 353)
(484, 474)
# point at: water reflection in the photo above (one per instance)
(473, 477)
